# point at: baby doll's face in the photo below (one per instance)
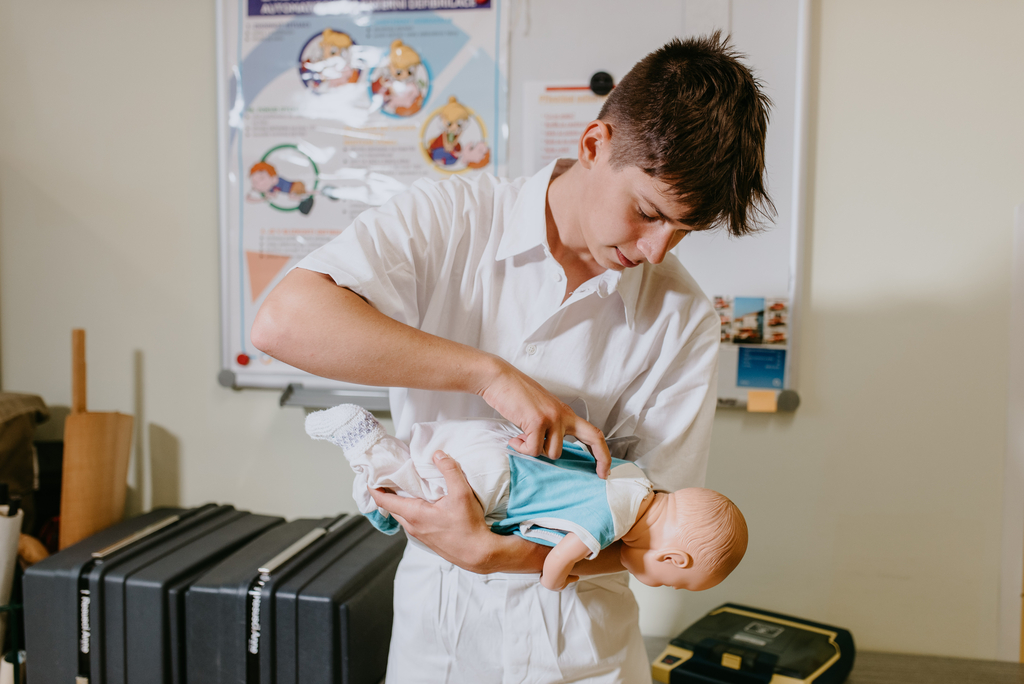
(667, 568)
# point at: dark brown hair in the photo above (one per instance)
(693, 116)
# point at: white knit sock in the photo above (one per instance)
(351, 427)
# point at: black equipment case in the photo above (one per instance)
(109, 609)
(736, 644)
(309, 602)
(213, 594)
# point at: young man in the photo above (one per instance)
(552, 301)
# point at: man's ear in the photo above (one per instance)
(594, 143)
(676, 557)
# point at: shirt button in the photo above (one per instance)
(557, 277)
(531, 349)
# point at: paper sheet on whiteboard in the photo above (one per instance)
(554, 116)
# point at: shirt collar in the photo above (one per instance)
(628, 287)
(527, 229)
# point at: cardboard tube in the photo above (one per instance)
(78, 403)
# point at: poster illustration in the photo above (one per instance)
(328, 108)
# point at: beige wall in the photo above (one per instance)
(877, 506)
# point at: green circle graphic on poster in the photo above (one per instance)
(286, 178)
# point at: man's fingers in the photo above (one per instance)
(594, 438)
(454, 479)
(553, 444)
(533, 444)
(396, 505)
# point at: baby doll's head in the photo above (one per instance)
(690, 539)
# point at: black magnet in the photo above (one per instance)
(601, 83)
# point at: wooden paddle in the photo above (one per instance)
(96, 452)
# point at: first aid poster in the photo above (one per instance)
(329, 108)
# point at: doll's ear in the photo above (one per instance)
(676, 557)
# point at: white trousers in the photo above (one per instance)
(457, 627)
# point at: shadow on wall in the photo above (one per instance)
(165, 467)
(162, 469)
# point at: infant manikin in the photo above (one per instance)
(690, 539)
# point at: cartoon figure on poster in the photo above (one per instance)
(402, 81)
(453, 138)
(287, 180)
(326, 61)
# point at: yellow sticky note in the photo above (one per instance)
(762, 401)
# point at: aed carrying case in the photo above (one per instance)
(736, 644)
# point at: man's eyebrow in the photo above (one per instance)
(658, 211)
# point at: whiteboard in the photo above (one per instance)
(566, 41)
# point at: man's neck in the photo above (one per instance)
(564, 230)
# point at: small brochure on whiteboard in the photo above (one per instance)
(758, 328)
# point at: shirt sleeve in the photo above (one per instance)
(675, 412)
(391, 255)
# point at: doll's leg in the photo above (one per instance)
(378, 459)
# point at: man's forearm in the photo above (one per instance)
(509, 553)
(606, 562)
(310, 323)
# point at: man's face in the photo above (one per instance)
(629, 217)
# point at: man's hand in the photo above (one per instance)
(543, 418)
(454, 527)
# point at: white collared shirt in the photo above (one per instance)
(634, 352)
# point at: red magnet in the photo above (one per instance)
(243, 359)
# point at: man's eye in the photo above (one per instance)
(645, 217)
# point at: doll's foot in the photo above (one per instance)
(348, 426)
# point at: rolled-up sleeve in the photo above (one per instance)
(389, 255)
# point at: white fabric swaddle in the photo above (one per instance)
(382, 461)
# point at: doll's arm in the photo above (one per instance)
(560, 560)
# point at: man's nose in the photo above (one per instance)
(654, 247)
